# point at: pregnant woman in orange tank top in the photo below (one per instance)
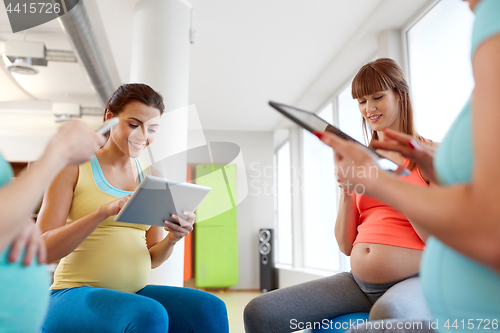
(383, 244)
(384, 247)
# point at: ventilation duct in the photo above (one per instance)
(24, 56)
(79, 30)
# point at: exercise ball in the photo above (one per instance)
(343, 323)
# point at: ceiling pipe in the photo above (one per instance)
(77, 26)
(60, 56)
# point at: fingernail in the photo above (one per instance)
(411, 145)
(173, 216)
(185, 213)
(318, 134)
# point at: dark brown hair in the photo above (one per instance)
(130, 92)
(385, 74)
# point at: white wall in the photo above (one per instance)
(257, 209)
(380, 36)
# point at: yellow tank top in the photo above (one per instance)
(115, 255)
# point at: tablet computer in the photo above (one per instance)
(313, 123)
(156, 198)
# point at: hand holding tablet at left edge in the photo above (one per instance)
(181, 227)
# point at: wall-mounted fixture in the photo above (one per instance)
(24, 56)
(66, 111)
(22, 66)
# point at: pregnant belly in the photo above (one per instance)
(113, 259)
(379, 263)
(24, 294)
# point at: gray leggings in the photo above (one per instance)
(325, 298)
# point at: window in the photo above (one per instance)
(439, 63)
(350, 118)
(284, 205)
(319, 197)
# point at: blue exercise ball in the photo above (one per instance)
(342, 323)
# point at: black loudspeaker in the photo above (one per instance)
(268, 276)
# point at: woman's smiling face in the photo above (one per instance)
(380, 109)
(136, 129)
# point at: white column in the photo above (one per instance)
(160, 58)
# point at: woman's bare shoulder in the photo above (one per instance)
(431, 143)
(68, 176)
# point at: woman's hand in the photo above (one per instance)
(114, 207)
(75, 142)
(182, 228)
(407, 146)
(344, 187)
(28, 239)
(161, 248)
(355, 166)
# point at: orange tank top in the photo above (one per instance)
(379, 223)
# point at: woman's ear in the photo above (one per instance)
(109, 115)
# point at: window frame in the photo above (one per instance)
(276, 210)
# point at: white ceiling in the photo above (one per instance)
(246, 53)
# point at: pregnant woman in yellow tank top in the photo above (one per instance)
(100, 284)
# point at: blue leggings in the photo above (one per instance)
(152, 309)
